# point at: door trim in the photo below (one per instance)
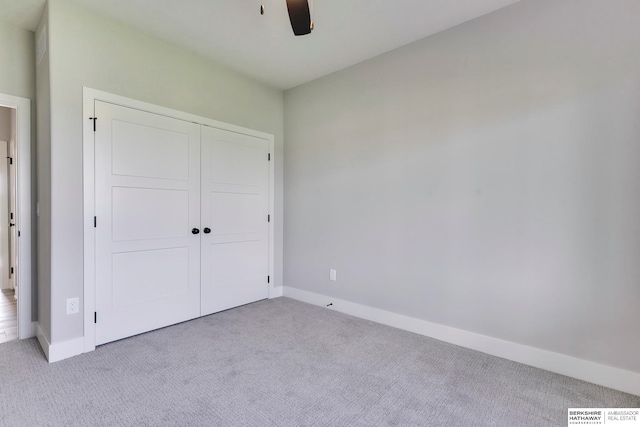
(89, 98)
(26, 327)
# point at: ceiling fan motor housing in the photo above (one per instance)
(299, 16)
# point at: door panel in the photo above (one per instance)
(237, 213)
(147, 200)
(143, 276)
(235, 188)
(234, 163)
(133, 143)
(144, 213)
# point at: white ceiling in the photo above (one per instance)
(21, 13)
(233, 32)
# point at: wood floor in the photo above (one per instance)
(8, 316)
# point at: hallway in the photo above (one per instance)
(8, 316)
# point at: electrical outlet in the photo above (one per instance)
(73, 305)
(332, 275)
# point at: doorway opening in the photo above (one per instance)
(15, 219)
(8, 239)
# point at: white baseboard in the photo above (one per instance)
(30, 332)
(59, 351)
(596, 373)
(66, 349)
(42, 340)
(276, 292)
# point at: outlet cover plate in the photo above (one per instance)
(73, 305)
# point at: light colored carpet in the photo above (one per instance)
(285, 363)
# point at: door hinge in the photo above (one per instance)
(95, 222)
(18, 233)
(269, 157)
(10, 160)
(268, 279)
(95, 317)
(95, 119)
(11, 270)
(268, 218)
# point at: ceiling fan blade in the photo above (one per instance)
(299, 16)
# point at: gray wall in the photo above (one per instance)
(17, 77)
(5, 124)
(486, 178)
(88, 50)
(12, 120)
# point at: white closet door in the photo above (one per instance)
(147, 178)
(235, 204)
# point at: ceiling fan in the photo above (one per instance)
(299, 15)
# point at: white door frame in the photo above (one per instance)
(88, 157)
(26, 327)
